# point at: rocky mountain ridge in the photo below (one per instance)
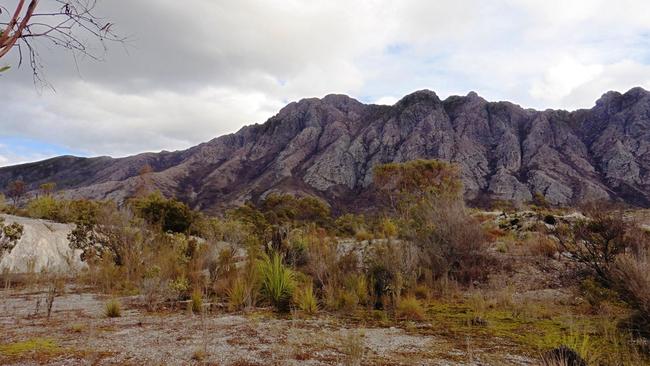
(328, 147)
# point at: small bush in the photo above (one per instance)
(306, 300)
(631, 279)
(410, 308)
(199, 355)
(422, 292)
(277, 282)
(363, 235)
(196, 302)
(347, 301)
(113, 309)
(543, 246)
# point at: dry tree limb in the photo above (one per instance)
(69, 24)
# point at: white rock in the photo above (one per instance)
(44, 246)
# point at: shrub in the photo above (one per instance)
(44, 207)
(631, 278)
(362, 235)
(180, 286)
(543, 246)
(350, 224)
(113, 309)
(595, 243)
(422, 292)
(9, 236)
(170, 214)
(347, 301)
(358, 285)
(426, 196)
(277, 282)
(388, 228)
(199, 355)
(279, 209)
(196, 302)
(410, 308)
(595, 293)
(306, 300)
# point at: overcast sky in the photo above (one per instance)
(196, 69)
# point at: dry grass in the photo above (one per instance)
(113, 309)
(410, 308)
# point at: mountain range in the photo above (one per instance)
(328, 147)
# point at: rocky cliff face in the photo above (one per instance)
(329, 146)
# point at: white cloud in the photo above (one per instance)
(200, 68)
(387, 100)
(561, 79)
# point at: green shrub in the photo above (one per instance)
(113, 309)
(169, 214)
(44, 207)
(349, 224)
(277, 282)
(410, 308)
(180, 286)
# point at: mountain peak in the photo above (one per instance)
(424, 95)
(328, 147)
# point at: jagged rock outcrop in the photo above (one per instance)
(329, 146)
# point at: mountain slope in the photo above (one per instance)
(329, 146)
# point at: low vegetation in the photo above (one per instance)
(422, 261)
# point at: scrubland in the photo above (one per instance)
(418, 279)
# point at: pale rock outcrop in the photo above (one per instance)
(43, 247)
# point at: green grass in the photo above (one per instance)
(33, 345)
(534, 330)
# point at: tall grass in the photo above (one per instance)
(306, 300)
(277, 282)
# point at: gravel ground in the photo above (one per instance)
(84, 336)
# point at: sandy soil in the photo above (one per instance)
(82, 335)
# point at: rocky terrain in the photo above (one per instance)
(328, 147)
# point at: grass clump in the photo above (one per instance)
(353, 349)
(196, 302)
(113, 309)
(410, 308)
(306, 300)
(277, 282)
(199, 355)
